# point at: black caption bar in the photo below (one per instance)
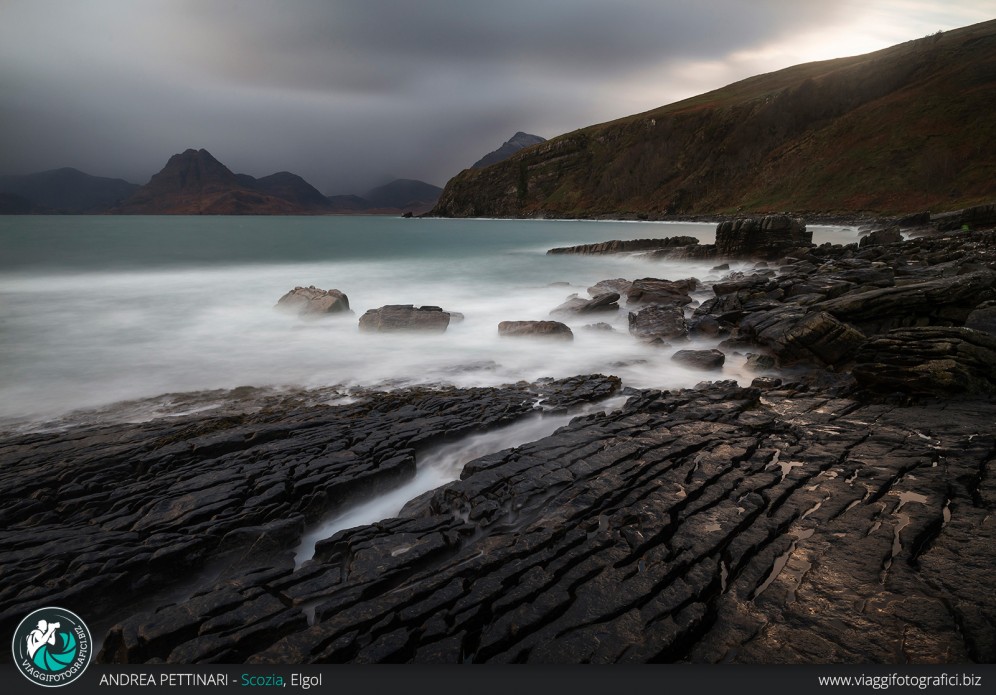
(969, 679)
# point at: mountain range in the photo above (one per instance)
(901, 130)
(193, 182)
(905, 129)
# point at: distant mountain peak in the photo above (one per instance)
(194, 182)
(515, 143)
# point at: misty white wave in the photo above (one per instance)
(82, 340)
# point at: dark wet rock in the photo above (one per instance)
(751, 525)
(916, 219)
(115, 516)
(617, 246)
(692, 252)
(766, 383)
(721, 266)
(983, 318)
(405, 317)
(972, 218)
(879, 237)
(740, 282)
(765, 238)
(706, 327)
(730, 308)
(658, 323)
(709, 360)
(943, 301)
(535, 329)
(600, 327)
(602, 303)
(759, 363)
(664, 292)
(822, 287)
(311, 301)
(618, 285)
(866, 278)
(793, 334)
(928, 361)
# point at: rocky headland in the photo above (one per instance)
(839, 508)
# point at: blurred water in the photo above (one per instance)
(95, 310)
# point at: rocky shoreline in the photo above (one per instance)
(838, 509)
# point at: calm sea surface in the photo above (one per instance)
(98, 310)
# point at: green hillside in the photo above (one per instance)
(908, 128)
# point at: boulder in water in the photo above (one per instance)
(658, 323)
(708, 360)
(311, 301)
(768, 237)
(405, 317)
(535, 329)
(656, 291)
(890, 235)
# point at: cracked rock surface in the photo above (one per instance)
(707, 525)
(106, 519)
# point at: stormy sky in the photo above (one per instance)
(352, 93)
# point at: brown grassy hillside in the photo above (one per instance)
(908, 128)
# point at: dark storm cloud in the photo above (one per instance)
(384, 45)
(349, 93)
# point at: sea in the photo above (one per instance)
(122, 313)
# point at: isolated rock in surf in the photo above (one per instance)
(311, 301)
(706, 360)
(405, 317)
(535, 329)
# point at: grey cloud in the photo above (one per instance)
(387, 43)
(346, 93)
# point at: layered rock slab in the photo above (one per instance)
(706, 525)
(100, 518)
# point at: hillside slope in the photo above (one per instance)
(517, 142)
(403, 194)
(67, 190)
(904, 129)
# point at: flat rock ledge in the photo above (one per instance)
(707, 525)
(103, 519)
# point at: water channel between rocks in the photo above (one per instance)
(442, 465)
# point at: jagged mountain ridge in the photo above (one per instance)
(899, 130)
(193, 182)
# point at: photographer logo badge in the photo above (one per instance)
(52, 647)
